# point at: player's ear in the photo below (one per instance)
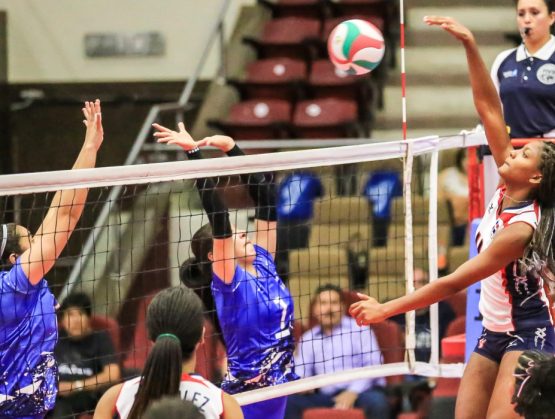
(210, 256)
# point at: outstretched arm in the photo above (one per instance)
(508, 245)
(261, 189)
(486, 99)
(223, 249)
(66, 207)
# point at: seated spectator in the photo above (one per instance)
(453, 187)
(295, 209)
(352, 347)
(422, 329)
(173, 408)
(87, 363)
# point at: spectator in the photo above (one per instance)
(453, 187)
(352, 347)
(295, 209)
(173, 408)
(423, 333)
(87, 363)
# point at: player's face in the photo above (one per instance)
(244, 248)
(534, 14)
(328, 309)
(75, 322)
(522, 166)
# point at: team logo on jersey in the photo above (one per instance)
(498, 226)
(540, 336)
(510, 73)
(546, 74)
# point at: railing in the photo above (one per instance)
(179, 108)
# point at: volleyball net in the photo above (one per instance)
(362, 217)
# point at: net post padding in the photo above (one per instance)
(375, 371)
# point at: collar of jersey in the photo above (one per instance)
(544, 53)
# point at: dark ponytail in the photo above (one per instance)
(540, 253)
(175, 323)
(196, 272)
(12, 244)
(535, 385)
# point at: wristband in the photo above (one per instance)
(235, 151)
(194, 154)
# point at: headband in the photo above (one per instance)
(4, 239)
(168, 335)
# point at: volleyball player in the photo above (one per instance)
(525, 76)
(254, 308)
(515, 255)
(534, 393)
(28, 328)
(175, 323)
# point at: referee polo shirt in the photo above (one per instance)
(526, 85)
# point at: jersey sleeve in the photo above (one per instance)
(219, 284)
(496, 65)
(16, 281)
(528, 216)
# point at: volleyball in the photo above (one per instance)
(356, 46)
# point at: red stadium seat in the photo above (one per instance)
(331, 23)
(375, 8)
(210, 354)
(326, 118)
(257, 119)
(458, 303)
(456, 327)
(325, 81)
(272, 78)
(391, 339)
(295, 8)
(287, 37)
(331, 413)
(136, 356)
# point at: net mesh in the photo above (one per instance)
(350, 231)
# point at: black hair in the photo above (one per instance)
(535, 385)
(78, 300)
(12, 244)
(548, 3)
(329, 287)
(540, 250)
(459, 159)
(175, 322)
(172, 408)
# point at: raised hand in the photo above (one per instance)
(455, 28)
(93, 121)
(367, 310)
(182, 138)
(223, 142)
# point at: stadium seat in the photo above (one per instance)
(458, 303)
(136, 356)
(210, 354)
(457, 326)
(331, 413)
(295, 8)
(292, 37)
(326, 118)
(325, 81)
(257, 119)
(272, 78)
(392, 343)
(372, 10)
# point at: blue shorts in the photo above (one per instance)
(268, 409)
(493, 345)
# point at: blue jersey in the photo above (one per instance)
(296, 196)
(526, 85)
(256, 317)
(28, 334)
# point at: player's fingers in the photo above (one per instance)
(181, 127)
(161, 128)
(362, 296)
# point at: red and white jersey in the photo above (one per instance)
(515, 297)
(194, 388)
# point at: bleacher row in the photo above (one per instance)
(293, 90)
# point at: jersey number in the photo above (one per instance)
(283, 332)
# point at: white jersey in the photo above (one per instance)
(513, 298)
(194, 388)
